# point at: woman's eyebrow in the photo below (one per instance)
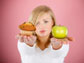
(45, 19)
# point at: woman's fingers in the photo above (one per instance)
(26, 40)
(33, 37)
(70, 38)
(56, 44)
(20, 37)
(17, 36)
(53, 39)
(63, 41)
(29, 40)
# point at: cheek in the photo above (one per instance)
(48, 27)
(37, 30)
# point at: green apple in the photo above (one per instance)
(59, 31)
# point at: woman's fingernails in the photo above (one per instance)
(25, 36)
(30, 36)
(17, 36)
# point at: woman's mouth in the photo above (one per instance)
(42, 31)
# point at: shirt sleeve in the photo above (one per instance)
(62, 52)
(24, 49)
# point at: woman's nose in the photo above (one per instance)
(42, 26)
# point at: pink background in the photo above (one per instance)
(68, 12)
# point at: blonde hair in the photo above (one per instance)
(39, 11)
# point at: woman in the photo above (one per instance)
(46, 48)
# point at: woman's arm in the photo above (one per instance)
(25, 44)
(62, 52)
(60, 47)
(24, 49)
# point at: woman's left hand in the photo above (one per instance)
(57, 43)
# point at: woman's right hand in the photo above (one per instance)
(29, 40)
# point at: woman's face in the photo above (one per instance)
(44, 25)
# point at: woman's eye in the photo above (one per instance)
(45, 21)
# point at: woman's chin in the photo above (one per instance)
(43, 35)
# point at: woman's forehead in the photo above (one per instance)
(44, 16)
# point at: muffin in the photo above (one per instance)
(27, 28)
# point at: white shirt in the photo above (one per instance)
(36, 55)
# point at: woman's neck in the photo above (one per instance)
(43, 40)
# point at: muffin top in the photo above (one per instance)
(27, 26)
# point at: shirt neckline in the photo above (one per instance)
(38, 49)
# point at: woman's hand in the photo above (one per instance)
(57, 43)
(29, 40)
